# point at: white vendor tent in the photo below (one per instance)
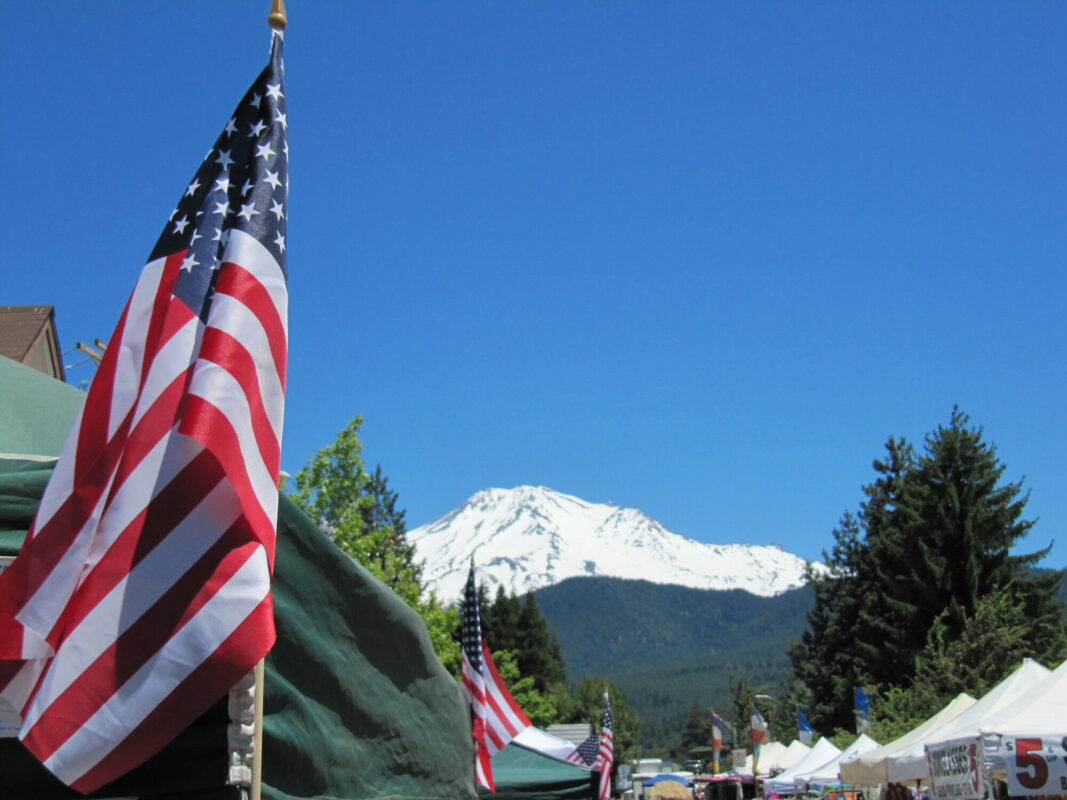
(775, 757)
(822, 752)
(1023, 744)
(872, 768)
(796, 751)
(771, 756)
(1045, 714)
(910, 764)
(829, 772)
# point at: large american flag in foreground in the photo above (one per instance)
(605, 756)
(495, 716)
(142, 592)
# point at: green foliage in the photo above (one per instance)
(994, 640)
(668, 647)
(359, 512)
(520, 629)
(589, 707)
(897, 710)
(697, 729)
(539, 707)
(441, 621)
(921, 579)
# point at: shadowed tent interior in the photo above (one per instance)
(357, 706)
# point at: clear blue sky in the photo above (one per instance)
(699, 258)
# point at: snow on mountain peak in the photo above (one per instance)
(530, 537)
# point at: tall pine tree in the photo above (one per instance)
(931, 541)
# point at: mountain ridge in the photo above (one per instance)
(531, 537)
(666, 648)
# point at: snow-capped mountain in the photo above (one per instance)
(530, 537)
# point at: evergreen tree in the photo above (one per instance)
(500, 622)
(381, 514)
(697, 729)
(541, 655)
(825, 663)
(930, 543)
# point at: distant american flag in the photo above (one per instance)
(495, 716)
(605, 757)
(142, 592)
(586, 752)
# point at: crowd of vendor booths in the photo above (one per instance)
(1011, 742)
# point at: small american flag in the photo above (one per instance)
(605, 757)
(496, 717)
(142, 592)
(585, 754)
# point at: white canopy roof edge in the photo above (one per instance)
(910, 763)
(829, 772)
(823, 751)
(871, 769)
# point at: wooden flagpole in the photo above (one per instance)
(256, 788)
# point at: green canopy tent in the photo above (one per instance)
(522, 774)
(357, 706)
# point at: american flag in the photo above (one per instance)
(585, 754)
(605, 757)
(495, 716)
(142, 592)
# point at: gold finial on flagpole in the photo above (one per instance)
(277, 15)
(472, 560)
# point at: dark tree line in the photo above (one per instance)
(518, 633)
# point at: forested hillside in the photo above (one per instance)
(668, 647)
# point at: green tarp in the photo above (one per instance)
(356, 704)
(35, 410)
(521, 774)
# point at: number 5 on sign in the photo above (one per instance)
(1039, 768)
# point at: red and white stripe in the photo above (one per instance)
(605, 760)
(147, 570)
(496, 717)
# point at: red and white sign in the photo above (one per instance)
(1036, 765)
(956, 771)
